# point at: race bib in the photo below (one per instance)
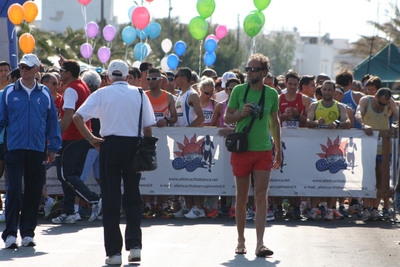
(290, 124)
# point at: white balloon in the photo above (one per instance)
(136, 64)
(164, 64)
(166, 45)
(148, 49)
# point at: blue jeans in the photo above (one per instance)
(92, 160)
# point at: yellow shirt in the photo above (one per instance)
(329, 114)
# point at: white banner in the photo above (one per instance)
(194, 161)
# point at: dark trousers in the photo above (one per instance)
(30, 164)
(116, 154)
(70, 164)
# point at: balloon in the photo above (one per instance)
(30, 10)
(130, 12)
(209, 58)
(166, 45)
(140, 51)
(148, 49)
(172, 61)
(141, 34)
(140, 17)
(149, 1)
(27, 43)
(86, 50)
(16, 14)
(92, 29)
(205, 8)
(198, 28)
(164, 64)
(262, 4)
(109, 33)
(153, 30)
(136, 64)
(180, 48)
(252, 24)
(85, 2)
(210, 45)
(104, 54)
(221, 31)
(212, 36)
(260, 14)
(128, 35)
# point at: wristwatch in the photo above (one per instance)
(165, 118)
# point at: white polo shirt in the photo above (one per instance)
(118, 108)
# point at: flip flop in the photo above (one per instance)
(263, 252)
(240, 249)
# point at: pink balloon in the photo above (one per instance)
(221, 31)
(84, 2)
(104, 54)
(86, 50)
(92, 29)
(109, 33)
(212, 36)
(140, 17)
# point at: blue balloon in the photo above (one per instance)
(209, 58)
(140, 51)
(153, 30)
(128, 35)
(210, 45)
(130, 11)
(141, 34)
(172, 61)
(180, 48)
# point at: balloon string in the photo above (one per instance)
(254, 45)
(201, 44)
(83, 9)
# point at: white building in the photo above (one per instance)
(60, 14)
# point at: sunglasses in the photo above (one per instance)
(214, 77)
(207, 93)
(253, 69)
(25, 67)
(171, 79)
(153, 78)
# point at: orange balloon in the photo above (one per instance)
(27, 43)
(16, 14)
(31, 11)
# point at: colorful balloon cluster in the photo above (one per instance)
(211, 44)
(17, 14)
(254, 22)
(198, 26)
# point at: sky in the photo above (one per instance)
(343, 19)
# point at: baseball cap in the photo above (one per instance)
(226, 76)
(323, 76)
(30, 60)
(118, 68)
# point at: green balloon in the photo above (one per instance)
(205, 8)
(262, 4)
(260, 14)
(252, 24)
(198, 28)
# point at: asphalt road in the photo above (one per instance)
(207, 242)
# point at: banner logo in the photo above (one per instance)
(332, 159)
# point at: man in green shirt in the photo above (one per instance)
(247, 100)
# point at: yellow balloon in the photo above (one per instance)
(16, 14)
(31, 11)
(27, 43)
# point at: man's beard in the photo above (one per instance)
(255, 80)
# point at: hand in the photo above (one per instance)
(51, 156)
(162, 123)
(247, 108)
(278, 160)
(286, 116)
(224, 132)
(367, 129)
(61, 60)
(332, 125)
(321, 121)
(294, 111)
(95, 142)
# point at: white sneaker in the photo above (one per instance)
(181, 213)
(28, 241)
(48, 205)
(114, 260)
(11, 242)
(250, 215)
(64, 218)
(329, 215)
(313, 214)
(96, 210)
(375, 215)
(134, 255)
(366, 215)
(77, 216)
(195, 213)
(270, 216)
(3, 217)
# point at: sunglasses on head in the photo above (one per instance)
(207, 93)
(253, 69)
(153, 78)
(25, 67)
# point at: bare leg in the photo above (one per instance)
(261, 183)
(242, 190)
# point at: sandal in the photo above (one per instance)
(241, 249)
(263, 252)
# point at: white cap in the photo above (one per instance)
(30, 60)
(118, 68)
(226, 76)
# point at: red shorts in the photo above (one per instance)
(245, 162)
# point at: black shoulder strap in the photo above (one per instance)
(140, 114)
(261, 103)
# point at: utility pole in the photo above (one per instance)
(102, 20)
(169, 19)
(238, 33)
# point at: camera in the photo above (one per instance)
(255, 111)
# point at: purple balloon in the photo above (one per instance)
(86, 50)
(109, 33)
(104, 54)
(92, 29)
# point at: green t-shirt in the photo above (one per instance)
(259, 137)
